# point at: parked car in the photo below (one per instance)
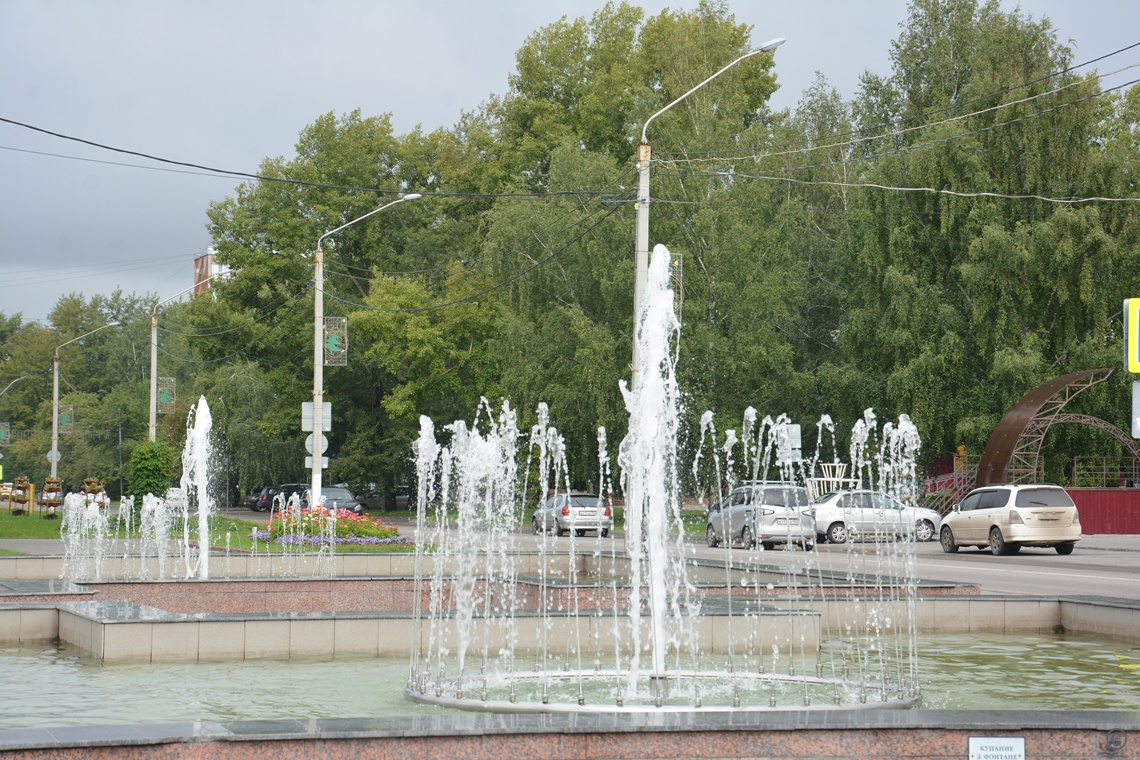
(251, 498)
(1008, 517)
(263, 499)
(286, 490)
(374, 498)
(578, 512)
(853, 515)
(765, 514)
(342, 498)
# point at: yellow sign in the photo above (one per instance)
(1132, 335)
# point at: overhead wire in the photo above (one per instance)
(260, 316)
(945, 109)
(495, 257)
(234, 174)
(896, 133)
(909, 148)
(39, 276)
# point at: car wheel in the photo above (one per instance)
(604, 532)
(746, 539)
(997, 543)
(809, 545)
(538, 531)
(946, 538)
(837, 533)
(924, 531)
(579, 533)
(710, 537)
(1064, 549)
(560, 530)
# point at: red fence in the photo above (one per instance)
(1107, 510)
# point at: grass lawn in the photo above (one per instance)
(34, 526)
(27, 526)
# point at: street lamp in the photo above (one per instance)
(154, 349)
(318, 347)
(18, 379)
(54, 455)
(644, 153)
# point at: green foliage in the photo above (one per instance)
(152, 467)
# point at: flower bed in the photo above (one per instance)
(310, 527)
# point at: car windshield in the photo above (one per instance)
(337, 494)
(785, 497)
(1043, 497)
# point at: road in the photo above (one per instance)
(1107, 566)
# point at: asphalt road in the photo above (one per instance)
(1101, 565)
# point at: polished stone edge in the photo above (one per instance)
(986, 721)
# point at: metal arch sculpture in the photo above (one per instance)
(1014, 449)
(1121, 437)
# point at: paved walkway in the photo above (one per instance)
(51, 547)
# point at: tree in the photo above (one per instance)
(152, 467)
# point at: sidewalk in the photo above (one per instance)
(51, 547)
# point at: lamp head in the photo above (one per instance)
(411, 196)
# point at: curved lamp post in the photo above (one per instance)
(644, 153)
(54, 455)
(18, 379)
(318, 347)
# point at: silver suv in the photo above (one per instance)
(765, 514)
(1008, 517)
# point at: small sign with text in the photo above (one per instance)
(997, 748)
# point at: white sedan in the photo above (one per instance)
(855, 515)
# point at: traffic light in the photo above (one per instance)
(336, 341)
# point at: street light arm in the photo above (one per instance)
(54, 455)
(318, 349)
(762, 49)
(84, 335)
(18, 379)
(408, 197)
(198, 284)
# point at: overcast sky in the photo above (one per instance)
(227, 83)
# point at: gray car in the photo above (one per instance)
(765, 514)
(578, 512)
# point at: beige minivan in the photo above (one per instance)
(1008, 517)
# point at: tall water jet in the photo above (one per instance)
(648, 460)
(195, 488)
(650, 617)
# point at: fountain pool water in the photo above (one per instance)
(576, 625)
(960, 672)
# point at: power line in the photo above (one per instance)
(233, 174)
(896, 133)
(443, 272)
(909, 148)
(928, 114)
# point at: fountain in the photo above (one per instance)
(578, 625)
(745, 655)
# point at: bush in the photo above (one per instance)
(152, 468)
